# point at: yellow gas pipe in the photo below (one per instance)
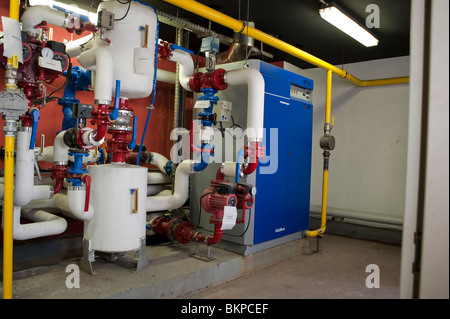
(8, 201)
(328, 126)
(239, 26)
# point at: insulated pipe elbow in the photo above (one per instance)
(60, 150)
(180, 194)
(76, 204)
(45, 224)
(75, 48)
(256, 88)
(186, 67)
(160, 161)
(36, 14)
(100, 61)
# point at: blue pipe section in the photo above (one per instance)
(77, 168)
(35, 114)
(205, 155)
(115, 112)
(79, 80)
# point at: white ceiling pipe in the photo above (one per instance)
(186, 63)
(45, 224)
(181, 191)
(36, 14)
(255, 112)
(100, 61)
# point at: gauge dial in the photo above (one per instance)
(47, 53)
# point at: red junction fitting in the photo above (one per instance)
(253, 153)
(120, 138)
(209, 80)
(101, 119)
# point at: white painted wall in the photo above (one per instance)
(368, 167)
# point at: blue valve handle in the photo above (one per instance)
(132, 144)
(35, 114)
(115, 112)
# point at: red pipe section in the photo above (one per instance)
(86, 178)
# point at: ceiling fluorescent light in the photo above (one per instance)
(340, 20)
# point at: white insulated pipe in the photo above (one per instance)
(100, 60)
(256, 88)
(181, 190)
(186, 63)
(75, 48)
(45, 224)
(60, 150)
(70, 204)
(24, 189)
(36, 14)
(159, 161)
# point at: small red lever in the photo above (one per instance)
(86, 178)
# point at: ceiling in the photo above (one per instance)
(298, 22)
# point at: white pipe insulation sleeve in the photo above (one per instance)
(155, 178)
(100, 61)
(256, 88)
(60, 150)
(75, 48)
(166, 76)
(36, 14)
(186, 67)
(45, 224)
(24, 189)
(160, 161)
(24, 179)
(47, 154)
(181, 191)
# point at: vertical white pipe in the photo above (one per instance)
(186, 67)
(255, 112)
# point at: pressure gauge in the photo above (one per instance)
(47, 53)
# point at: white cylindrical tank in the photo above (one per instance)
(118, 195)
(132, 44)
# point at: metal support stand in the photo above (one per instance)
(202, 255)
(141, 257)
(88, 258)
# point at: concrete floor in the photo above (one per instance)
(289, 271)
(338, 271)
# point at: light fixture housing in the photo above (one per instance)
(338, 18)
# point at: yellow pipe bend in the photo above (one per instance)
(239, 26)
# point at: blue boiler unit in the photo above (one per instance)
(283, 178)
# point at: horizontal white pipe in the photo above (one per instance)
(186, 63)
(45, 224)
(359, 215)
(70, 204)
(153, 190)
(255, 112)
(181, 190)
(36, 14)
(166, 76)
(75, 48)
(154, 178)
(100, 61)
